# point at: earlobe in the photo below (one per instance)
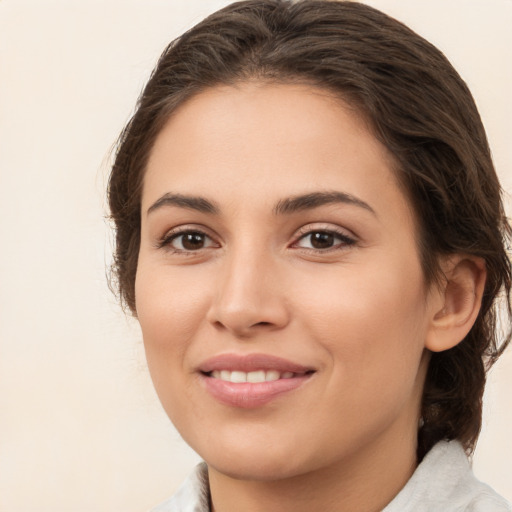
(460, 297)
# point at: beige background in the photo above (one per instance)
(80, 426)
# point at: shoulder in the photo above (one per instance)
(444, 481)
(192, 496)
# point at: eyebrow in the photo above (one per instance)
(316, 199)
(283, 207)
(197, 203)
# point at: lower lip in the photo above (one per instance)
(248, 395)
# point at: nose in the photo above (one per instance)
(249, 298)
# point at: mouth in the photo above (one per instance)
(254, 377)
(253, 380)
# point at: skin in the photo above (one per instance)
(357, 311)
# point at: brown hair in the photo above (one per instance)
(418, 107)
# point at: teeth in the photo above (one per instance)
(256, 376)
(253, 377)
(272, 375)
(238, 377)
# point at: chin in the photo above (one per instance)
(261, 470)
(259, 461)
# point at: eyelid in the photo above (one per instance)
(164, 242)
(345, 235)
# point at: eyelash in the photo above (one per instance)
(344, 240)
(166, 241)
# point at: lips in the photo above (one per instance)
(254, 377)
(252, 380)
(251, 362)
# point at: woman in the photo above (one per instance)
(310, 232)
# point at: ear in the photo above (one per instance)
(457, 301)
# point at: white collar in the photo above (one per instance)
(442, 482)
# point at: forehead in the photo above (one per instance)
(260, 142)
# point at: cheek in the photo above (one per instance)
(169, 304)
(372, 323)
(170, 310)
(171, 307)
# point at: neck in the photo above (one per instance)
(365, 481)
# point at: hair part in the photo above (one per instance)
(417, 106)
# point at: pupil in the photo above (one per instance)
(193, 241)
(321, 240)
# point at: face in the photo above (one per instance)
(279, 287)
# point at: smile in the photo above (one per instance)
(253, 377)
(251, 381)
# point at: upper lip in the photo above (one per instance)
(250, 363)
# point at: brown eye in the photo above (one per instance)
(193, 241)
(190, 241)
(324, 240)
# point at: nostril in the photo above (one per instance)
(218, 325)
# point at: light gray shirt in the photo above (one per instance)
(443, 482)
